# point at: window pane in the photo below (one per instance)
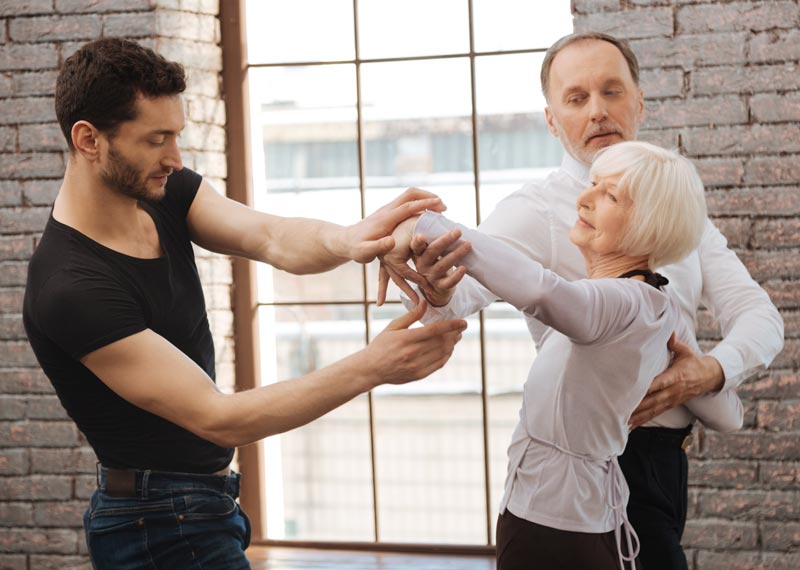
(404, 28)
(519, 24)
(417, 132)
(429, 450)
(514, 143)
(305, 163)
(509, 355)
(301, 30)
(318, 477)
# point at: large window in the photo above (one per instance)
(350, 103)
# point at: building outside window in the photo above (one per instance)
(350, 103)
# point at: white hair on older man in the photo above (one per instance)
(669, 209)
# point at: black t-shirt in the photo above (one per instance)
(82, 296)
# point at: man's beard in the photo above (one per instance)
(122, 177)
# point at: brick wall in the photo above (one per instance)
(46, 468)
(722, 83)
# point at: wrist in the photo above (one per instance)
(436, 299)
(713, 374)
(337, 241)
(362, 370)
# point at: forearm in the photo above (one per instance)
(720, 412)
(300, 245)
(245, 417)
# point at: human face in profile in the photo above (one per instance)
(604, 212)
(144, 151)
(593, 101)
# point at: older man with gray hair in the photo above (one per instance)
(591, 84)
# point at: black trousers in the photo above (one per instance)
(656, 469)
(524, 545)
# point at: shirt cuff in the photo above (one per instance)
(432, 225)
(732, 366)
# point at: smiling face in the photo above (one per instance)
(593, 101)
(144, 151)
(603, 215)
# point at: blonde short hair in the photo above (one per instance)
(669, 208)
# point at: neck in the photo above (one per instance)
(85, 203)
(612, 265)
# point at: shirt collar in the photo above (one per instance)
(575, 169)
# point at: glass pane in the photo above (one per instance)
(429, 449)
(519, 24)
(514, 143)
(318, 477)
(405, 28)
(305, 163)
(418, 132)
(509, 355)
(300, 30)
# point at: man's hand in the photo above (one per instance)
(688, 376)
(371, 237)
(440, 269)
(401, 354)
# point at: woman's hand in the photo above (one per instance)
(438, 264)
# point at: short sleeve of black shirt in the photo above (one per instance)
(82, 296)
(82, 306)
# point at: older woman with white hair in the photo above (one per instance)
(565, 496)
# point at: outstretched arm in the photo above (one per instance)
(584, 310)
(298, 245)
(149, 372)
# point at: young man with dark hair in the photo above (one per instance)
(115, 314)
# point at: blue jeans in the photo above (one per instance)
(175, 521)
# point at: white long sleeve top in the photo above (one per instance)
(607, 339)
(536, 221)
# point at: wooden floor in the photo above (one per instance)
(273, 558)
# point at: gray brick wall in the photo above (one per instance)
(46, 467)
(722, 83)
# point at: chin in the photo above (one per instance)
(574, 237)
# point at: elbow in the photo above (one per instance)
(729, 424)
(221, 438)
(217, 425)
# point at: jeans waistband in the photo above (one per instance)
(670, 437)
(143, 482)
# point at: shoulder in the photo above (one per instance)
(180, 191)
(645, 303)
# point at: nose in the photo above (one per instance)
(172, 159)
(585, 200)
(589, 196)
(597, 109)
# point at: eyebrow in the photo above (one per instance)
(574, 89)
(165, 132)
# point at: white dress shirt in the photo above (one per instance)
(608, 339)
(536, 220)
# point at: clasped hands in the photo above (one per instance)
(436, 264)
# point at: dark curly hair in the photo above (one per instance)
(100, 82)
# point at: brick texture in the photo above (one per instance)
(46, 467)
(722, 78)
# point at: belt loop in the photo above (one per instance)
(145, 481)
(97, 470)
